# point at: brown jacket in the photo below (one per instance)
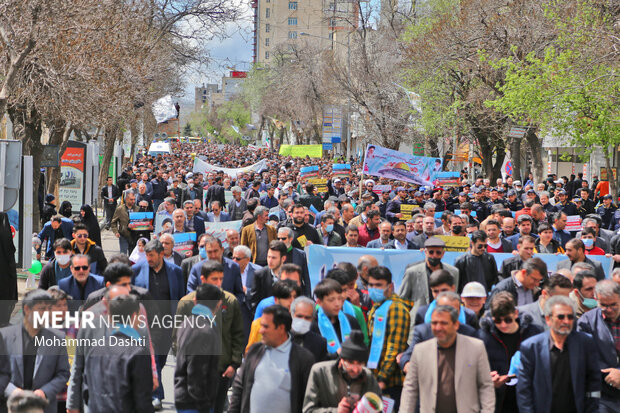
(248, 237)
(120, 220)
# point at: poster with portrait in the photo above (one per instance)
(72, 166)
(402, 166)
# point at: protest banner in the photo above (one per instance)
(460, 244)
(184, 242)
(392, 164)
(378, 189)
(341, 170)
(319, 183)
(573, 223)
(407, 211)
(309, 171)
(203, 167)
(218, 229)
(322, 259)
(140, 221)
(301, 151)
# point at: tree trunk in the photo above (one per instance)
(59, 136)
(535, 147)
(27, 127)
(110, 136)
(613, 183)
(515, 155)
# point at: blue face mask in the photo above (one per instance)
(588, 242)
(203, 253)
(588, 302)
(376, 294)
(329, 228)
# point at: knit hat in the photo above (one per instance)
(49, 198)
(354, 347)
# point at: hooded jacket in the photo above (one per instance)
(98, 262)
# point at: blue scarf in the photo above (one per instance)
(329, 333)
(348, 308)
(128, 331)
(378, 334)
(431, 307)
(204, 311)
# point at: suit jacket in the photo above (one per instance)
(262, 287)
(224, 217)
(297, 256)
(534, 385)
(423, 332)
(414, 286)
(175, 281)
(248, 237)
(199, 226)
(116, 193)
(48, 233)
(376, 243)
(232, 278)
(71, 287)
(598, 268)
(472, 378)
(534, 311)
(300, 363)
(51, 368)
(592, 323)
(186, 266)
(236, 212)
(392, 245)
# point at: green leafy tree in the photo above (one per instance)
(572, 90)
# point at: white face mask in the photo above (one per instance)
(300, 326)
(63, 259)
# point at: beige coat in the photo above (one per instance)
(472, 378)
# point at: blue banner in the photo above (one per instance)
(322, 259)
(392, 164)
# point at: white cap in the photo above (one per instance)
(287, 185)
(337, 180)
(473, 289)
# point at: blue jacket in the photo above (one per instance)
(199, 226)
(70, 286)
(232, 278)
(175, 281)
(561, 236)
(534, 384)
(592, 323)
(224, 216)
(392, 208)
(48, 233)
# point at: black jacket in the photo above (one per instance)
(308, 231)
(198, 349)
(48, 212)
(307, 200)
(216, 193)
(300, 363)
(497, 352)
(8, 276)
(261, 288)
(116, 193)
(95, 254)
(297, 256)
(160, 188)
(119, 378)
(508, 284)
(509, 265)
(472, 268)
(314, 343)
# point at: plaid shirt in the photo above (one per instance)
(395, 341)
(614, 329)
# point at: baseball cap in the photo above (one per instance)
(337, 180)
(473, 289)
(517, 183)
(531, 191)
(434, 242)
(608, 196)
(512, 192)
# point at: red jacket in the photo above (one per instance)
(365, 236)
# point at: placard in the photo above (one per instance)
(407, 211)
(184, 242)
(457, 244)
(319, 183)
(141, 221)
(573, 223)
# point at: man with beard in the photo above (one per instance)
(302, 231)
(332, 384)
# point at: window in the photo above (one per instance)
(292, 5)
(267, 28)
(266, 41)
(292, 21)
(267, 12)
(266, 55)
(292, 35)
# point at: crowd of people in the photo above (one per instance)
(476, 336)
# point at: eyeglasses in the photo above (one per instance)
(238, 258)
(561, 317)
(282, 238)
(507, 320)
(434, 252)
(81, 235)
(81, 267)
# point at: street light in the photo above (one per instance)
(348, 45)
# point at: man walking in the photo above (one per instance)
(451, 364)
(120, 224)
(110, 194)
(559, 371)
